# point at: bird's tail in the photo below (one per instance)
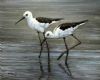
(83, 21)
(80, 23)
(57, 19)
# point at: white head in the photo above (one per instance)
(49, 34)
(27, 15)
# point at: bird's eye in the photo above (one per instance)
(26, 14)
(48, 34)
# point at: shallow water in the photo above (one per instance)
(19, 45)
(19, 61)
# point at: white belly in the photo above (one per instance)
(33, 24)
(60, 33)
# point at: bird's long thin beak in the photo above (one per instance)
(43, 41)
(20, 20)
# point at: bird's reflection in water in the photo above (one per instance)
(68, 72)
(43, 74)
(41, 69)
(48, 76)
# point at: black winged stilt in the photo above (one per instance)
(40, 24)
(62, 31)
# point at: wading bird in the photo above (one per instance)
(62, 31)
(40, 24)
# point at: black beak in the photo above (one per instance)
(20, 20)
(43, 41)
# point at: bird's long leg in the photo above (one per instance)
(41, 51)
(66, 59)
(79, 42)
(49, 66)
(67, 50)
(39, 37)
(40, 44)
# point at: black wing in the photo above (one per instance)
(68, 25)
(47, 20)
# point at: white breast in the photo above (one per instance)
(63, 33)
(44, 25)
(32, 23)
(69, 31)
